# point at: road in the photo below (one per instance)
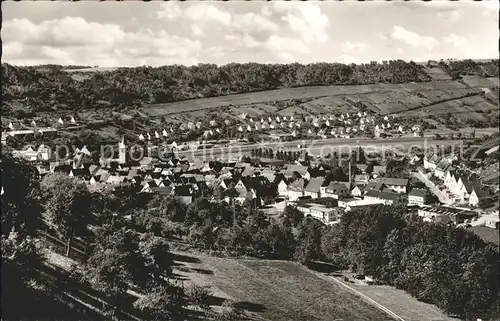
(430, 185)
(320, 147)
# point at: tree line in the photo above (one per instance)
(51, 88)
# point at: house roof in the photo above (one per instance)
(103, 178)
(335, 186)
(362, 167)
(167, 190)
(383, 195)
(480, 192)
(393, 181)
(374, 185)
(418, 192)
(315, 184)
(248, 171)
(132, 173)
(297, 185)
(302, 170)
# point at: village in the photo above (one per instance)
(433, 185)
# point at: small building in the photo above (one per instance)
(387, 198)
(313, 189)
(417, 196)
(296, 189)
(398, 185)
(456, 215)
(336, 190)
(478, 195)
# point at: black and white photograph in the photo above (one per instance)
(250, 160)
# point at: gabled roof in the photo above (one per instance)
(374, 185)
(248, 171)
(379, 169)
(314, 184)
(103, 178)
(163, 190)
(302, 170)
(336, 186)
(383, 195)
(418, 192)
(297, 185)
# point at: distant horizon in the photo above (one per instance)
(251, 62)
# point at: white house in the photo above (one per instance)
(296, 189)
(282, 188)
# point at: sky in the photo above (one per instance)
(133, 33)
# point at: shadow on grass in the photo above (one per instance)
(244, 305)
(184, 258)
(323, 267)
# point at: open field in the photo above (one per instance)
(402, 303)
(294, 93)
(276, 290)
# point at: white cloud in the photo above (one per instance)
(285, 44)
(412, 38)
(201, 12)
(456, 40)
(196, 30)
(170, 10)
(249, 21)
(75, 41)
(305, 19)
(354, 46)
(12, 49)
(452, 16)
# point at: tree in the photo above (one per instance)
(21, 197)
(66, 204)
(199, 296)
(165, 302)
(158, 259)
(293, 214)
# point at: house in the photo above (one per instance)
(324, 214)
(417, 196)
(357, 191)
(303, 171)
(361, 179)
(336, 190)
(378, 170)
(383, 197)
(296, 189)
(374, 185)
(313, 189)
(441, 169)
(455, 215)
(398, 185)
(282, 188)
(478, 195)
(431, 161)
(362, 168)
(451, 178)
(185, 193)
(464, 188)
